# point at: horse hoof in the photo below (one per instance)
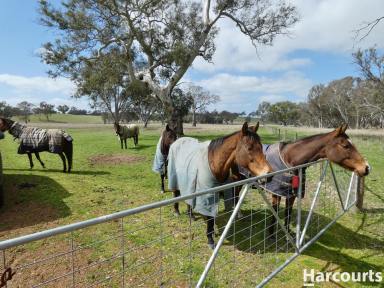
(211, 246)
(162, 191)
(176, 213)
(240, 215)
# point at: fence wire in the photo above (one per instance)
(148, 246)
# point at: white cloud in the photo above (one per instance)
(15, 88)
(244, 93)
(325, 26)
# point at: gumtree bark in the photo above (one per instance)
(194, 118)
(175, 122)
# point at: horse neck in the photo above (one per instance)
(222, 158)
(305, 150)
(15, 129)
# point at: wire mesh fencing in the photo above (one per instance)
(149, 246)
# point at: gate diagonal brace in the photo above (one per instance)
(281, 224)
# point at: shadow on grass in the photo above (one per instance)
(60, 171)
(251, 238)
(31, 200)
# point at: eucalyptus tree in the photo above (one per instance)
(201, 98)
(167, 35)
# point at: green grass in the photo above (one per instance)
(355, 243)
(65, 118)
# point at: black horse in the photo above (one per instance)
(35, 140)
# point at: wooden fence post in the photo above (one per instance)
(360, 193)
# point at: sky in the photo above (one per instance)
(318, 50)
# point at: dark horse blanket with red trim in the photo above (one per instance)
(37, 139)
(281, 184)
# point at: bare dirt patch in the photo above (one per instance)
(114, 159)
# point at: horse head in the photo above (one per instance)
(343, 152)
(5, 124)
(116, 126)
(249, 151)
(167, 138)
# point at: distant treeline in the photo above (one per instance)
(354, 101)
(24, 110)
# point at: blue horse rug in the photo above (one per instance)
(160, 159)
(189, 172)
(281, 184)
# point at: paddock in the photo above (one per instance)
(152, 247)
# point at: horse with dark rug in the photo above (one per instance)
(336, 146)
(195, 166)
(35, 140)
(160, 162)
(127, 131)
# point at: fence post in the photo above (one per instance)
(360, 193)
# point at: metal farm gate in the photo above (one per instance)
(148, 246)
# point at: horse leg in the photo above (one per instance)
(68, 152)
(275, 205)
(162, 183)
(210, 231)
(64, 161)
(30, 160)
(176, 193)
(38, 158)
(121, 142)
(190, 213)
(288, 211)
(125, 143)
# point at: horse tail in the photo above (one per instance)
(68, 150)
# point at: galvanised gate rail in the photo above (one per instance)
(147, 246)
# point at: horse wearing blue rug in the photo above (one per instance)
(194, 166)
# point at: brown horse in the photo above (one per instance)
(336, 146)
(35, 140)
(160, 161)
(127, 131)
(195, 166)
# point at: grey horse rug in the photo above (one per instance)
(281, 184)
(37, 139)
(129, 131)
(160, 159)
(189, 172)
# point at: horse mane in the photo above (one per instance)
(216, 143)
(306, 139)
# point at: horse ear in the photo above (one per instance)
(256, 127)
(345, 127)
(340, 130)
(167, 128)
(244, 129)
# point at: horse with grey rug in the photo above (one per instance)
(194, 166)
(36, 140)
(335, 146)
(127, 131)
(160, 162)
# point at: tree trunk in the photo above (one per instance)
(146, 123)
(194, 118)
(175, 122)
